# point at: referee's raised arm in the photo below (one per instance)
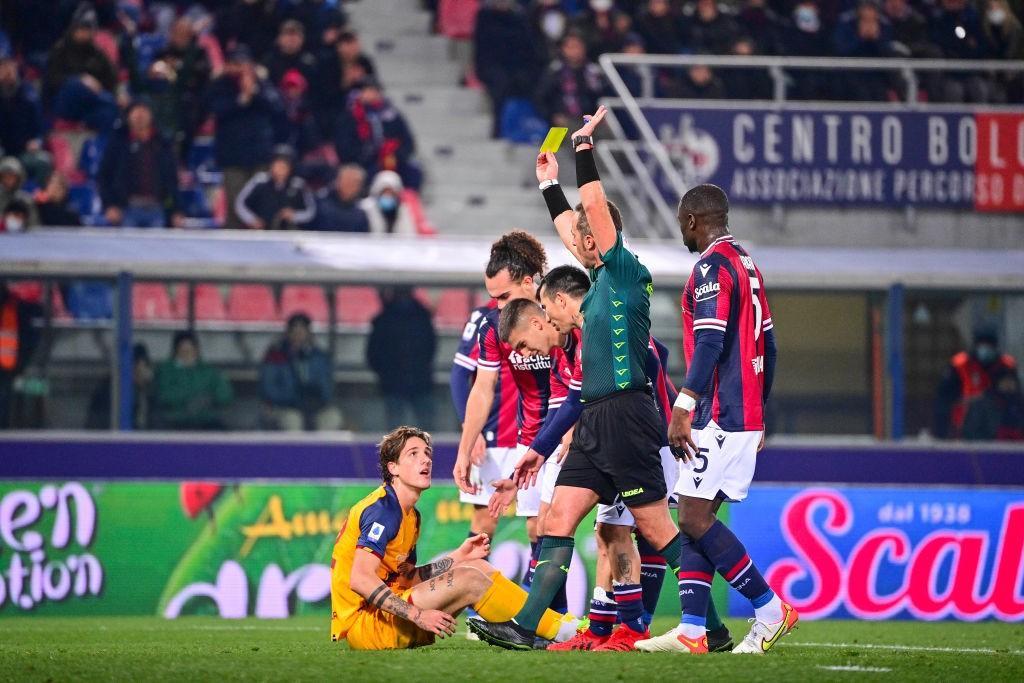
(592, 197)
(558, 206)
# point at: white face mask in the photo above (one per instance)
(996, 16)
(807, 19)
(553, 25)
(14, 224)
(601, 5)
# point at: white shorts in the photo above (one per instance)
(619, 515)
(548, 475)
(497, 464)
(725, 463)
(527, 501)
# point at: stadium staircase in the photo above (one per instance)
(474, 185)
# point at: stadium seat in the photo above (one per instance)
(209, 302)
(452, 308)
(357, 305)
(150, 301)
(521, 123)
(252, 303)
(456, 19)
(411, 199)
(29, 291)
(90, 157)
(308, 299)
(88, 300)
(84, 199)
(59, 310)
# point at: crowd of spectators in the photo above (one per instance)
(149, 113)
(545, 51)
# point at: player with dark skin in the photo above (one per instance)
(700, 226)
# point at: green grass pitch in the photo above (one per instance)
(199, 648)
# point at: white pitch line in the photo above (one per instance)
(858, 669)
(909, 648)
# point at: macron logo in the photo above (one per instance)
(704, 268)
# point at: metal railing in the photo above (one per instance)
(634, 164)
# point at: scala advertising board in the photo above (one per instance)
(887, 552)
(859, 156)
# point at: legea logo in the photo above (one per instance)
(32, 577)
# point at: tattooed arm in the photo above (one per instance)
(365, 581)
(428, 571)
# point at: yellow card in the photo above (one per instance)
(553, 140)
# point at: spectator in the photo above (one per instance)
(52, 203)
(20, 118)
(998, 414)
(603, 27)
(909, 28)
(321, 20)
(302, 131)
(245, 108)
(278, 199)
(759, 21)
(634, 76)
(15, 216)
(804, 36)
(865, 33)
(12, 178)
(138, 176)
(660, 28)
(246, 22)
(747, 83)
(955, 28)
(970, 374)
(289, 54)
(337, 207)
(297, 383)
(18, 339)
(80, 79)
(385, 211)
(101, 403)
(710, 31)
(400, 350)
(571, 86)
(1004, 39)
(188, 393)
(342, 66)
(700, 83)
(507, 58)
(183, 69)
(373, 133)
(549, 22)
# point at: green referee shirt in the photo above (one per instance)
(616, 324)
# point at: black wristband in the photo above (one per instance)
(556, 201)
(586, 167)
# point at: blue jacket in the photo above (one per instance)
(296, 379)
(245, 134)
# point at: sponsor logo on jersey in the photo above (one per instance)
(520, 362)
(747, 262)
(632, 492)
(708, 290)
(376, 531)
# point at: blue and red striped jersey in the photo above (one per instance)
(566, 370)
(502, 428)
(725, 294)
(531, 375)
(657, 372)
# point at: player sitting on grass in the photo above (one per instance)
(380, 599)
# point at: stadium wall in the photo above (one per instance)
(239, 526)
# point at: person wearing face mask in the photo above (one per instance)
(12, 177)
(188, 393)
(971, 373)
(15, 217)
(549, 21)
(384, 208)
(804, 35)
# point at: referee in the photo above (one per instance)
(614, 454)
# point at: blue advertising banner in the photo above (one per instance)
(881, 553)
(879, 157)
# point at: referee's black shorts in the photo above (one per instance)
(616, 449)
